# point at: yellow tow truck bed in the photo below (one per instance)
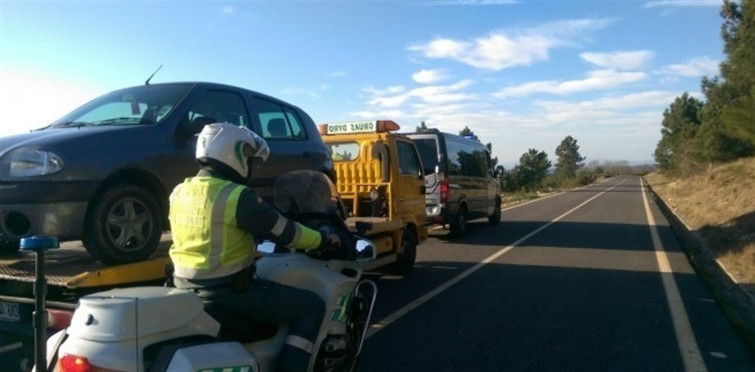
(70, 266)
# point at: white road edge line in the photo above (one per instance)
(385, 322)
(691, 356)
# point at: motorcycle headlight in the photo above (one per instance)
(28, 162)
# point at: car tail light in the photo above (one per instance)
(59, 319)
(444, 191)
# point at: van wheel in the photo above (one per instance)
(458, 226)
(124, 225)
(405, 261)
(495, 218)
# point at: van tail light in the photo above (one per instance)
(58, 319)
(444, 191)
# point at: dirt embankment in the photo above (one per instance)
(718, 205)
(713, 214)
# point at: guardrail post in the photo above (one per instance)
(40, 244)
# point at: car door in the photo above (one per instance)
(292, 146)
(209, 106)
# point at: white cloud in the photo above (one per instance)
(693, 68)
(622, 60)
(429, 76)
(228, 10)
(336, 74)
(682, 3)
(393, 97)
(623, 102)
(501, 49)
(596, 80)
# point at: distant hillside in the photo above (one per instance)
(719, 204)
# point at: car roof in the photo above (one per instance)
(207, 84)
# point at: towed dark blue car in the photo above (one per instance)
(103, 173)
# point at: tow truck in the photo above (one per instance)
(381, 181)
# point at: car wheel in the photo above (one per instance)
(124, 225)
(459, 225)
(495, 218)
(9, 247)
(405, 261)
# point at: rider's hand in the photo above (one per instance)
(334, 242)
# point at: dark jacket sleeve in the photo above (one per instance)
(263, 221)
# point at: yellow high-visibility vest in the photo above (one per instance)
(207, 243)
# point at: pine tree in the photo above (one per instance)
(569, 159)
(680, 126)
(532, 169)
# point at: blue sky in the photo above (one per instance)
(521, 74)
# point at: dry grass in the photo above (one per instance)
(719, 204)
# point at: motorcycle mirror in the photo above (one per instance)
(266, 246)
(365, 251)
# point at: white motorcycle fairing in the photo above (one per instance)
(333, 281)
(114, 329)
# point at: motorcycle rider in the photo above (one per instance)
(216, 222)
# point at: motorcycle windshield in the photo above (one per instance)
(305, 191)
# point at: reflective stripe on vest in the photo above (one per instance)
(206, 241)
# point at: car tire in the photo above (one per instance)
(495, 218)
(124, 224)
(10, 247)
(458, 227)
(405, 261)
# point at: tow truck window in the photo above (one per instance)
(344, 151)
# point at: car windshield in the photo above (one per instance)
(146, 104)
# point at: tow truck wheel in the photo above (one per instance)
(459, 226)
(124, 225)
(405, 261)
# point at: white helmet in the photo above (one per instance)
(230, 145)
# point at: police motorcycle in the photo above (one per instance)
(169, 329)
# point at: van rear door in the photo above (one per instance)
(429, 150)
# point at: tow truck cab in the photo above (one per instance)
(381, 181)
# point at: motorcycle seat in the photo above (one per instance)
(237, 327)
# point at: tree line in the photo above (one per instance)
(721, 127)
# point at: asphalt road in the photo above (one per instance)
(589, 280)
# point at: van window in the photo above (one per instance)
(408, 163)
(465, 159)
(428, 152)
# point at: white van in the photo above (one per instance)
(459, 179)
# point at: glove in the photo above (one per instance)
(334, 242)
